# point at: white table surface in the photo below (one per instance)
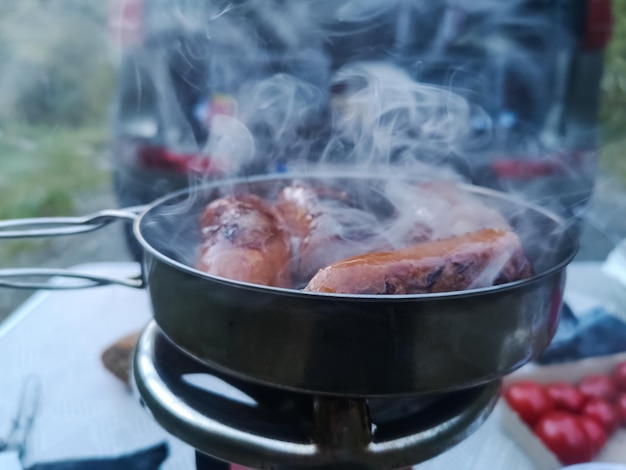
(86, 412)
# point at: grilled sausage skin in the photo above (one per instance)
(243, 240)
(323, 226)
(478, 259)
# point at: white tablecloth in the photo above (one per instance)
(86, 412)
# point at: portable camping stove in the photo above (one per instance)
(238, 420)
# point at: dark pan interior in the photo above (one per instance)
(170, 226)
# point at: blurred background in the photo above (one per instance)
(85, 125)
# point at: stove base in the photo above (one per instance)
(263, 427)
(205, 462)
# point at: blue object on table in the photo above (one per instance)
(596, 333)
(148, 459)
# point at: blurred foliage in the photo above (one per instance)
(55, 61)
(45, 173)
(74, 162)
(613, 157)
(614, 82)
(613, 112)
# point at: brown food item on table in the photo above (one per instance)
(478, 259)
(243, 240)
(117, 357)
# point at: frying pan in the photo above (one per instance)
(331, 344)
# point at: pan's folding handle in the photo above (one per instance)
(59, 226)
(57, 279)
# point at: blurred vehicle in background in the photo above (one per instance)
(533, 66)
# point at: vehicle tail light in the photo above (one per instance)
(520, 169)
(512, 168)
(598, 27)
(126, 22)
(161, 158)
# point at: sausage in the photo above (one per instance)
(298, 205)
(439, 210)
(478, 259)
(312, 233)
(243, 240)
(324, 227)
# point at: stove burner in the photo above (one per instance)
(264, 427)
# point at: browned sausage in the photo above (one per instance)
(322, 224)
(441, 210)
(244, 241)
(473, 260)
(298, 206)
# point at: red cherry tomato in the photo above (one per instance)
(619, 376)
(529, 400)
(566, 397)
(596, 433)
(604, 412)
(621, 406)
(598, 386)
(564, 434)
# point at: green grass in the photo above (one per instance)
(613, 112)
(44, 170)
(613, 159)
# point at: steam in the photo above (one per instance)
(390, 88)
(230, 141)
(315, 82)
(281, 110)
(385, 87)
(381, 117)
(373, 115)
